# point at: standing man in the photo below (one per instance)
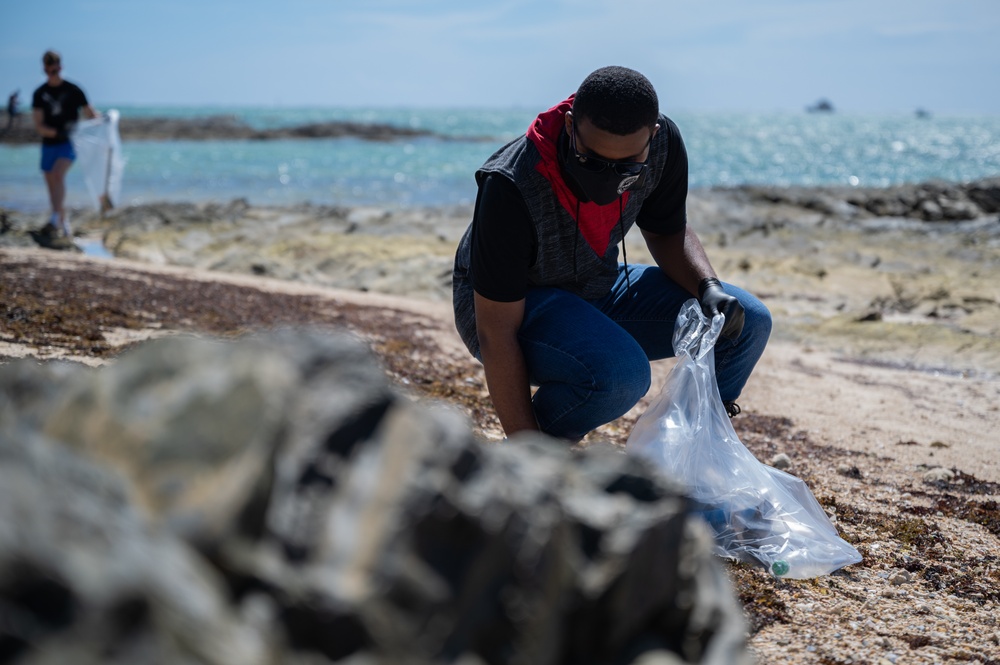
(539, 294)
(12, 109)
(55, 107)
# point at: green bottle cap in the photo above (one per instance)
(779, 568)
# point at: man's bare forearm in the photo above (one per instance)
(497, 325)
(681, 257)
(507, 380)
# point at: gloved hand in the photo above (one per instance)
(716, 301)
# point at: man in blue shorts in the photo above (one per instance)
(540, 296)
(55, 107)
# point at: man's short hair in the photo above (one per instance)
(51, 58)
(617, 100)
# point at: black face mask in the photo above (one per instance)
(601, 187)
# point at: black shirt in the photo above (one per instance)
(60, 108)
(504, 242)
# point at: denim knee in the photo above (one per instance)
(757, 319)
(621, 387)
(617, 383)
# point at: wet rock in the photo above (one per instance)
(277, 500)
(986, 194)
(886, 207)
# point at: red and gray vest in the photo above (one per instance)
(577, 242)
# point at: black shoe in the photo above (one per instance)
(732, 408)
(45, 235)
(51, 238)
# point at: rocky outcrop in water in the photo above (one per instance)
(225, 127)
(277, 500)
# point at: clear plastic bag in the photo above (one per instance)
(98, 148)
(759, 514)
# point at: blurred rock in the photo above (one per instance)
(276, 500)
(986, 194)
(781, 461)
(85, 580)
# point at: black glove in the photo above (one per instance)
(716, 301)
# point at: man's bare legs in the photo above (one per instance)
(55, 180)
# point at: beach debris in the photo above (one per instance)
(938, 475)
(849, 470)
(781, 461)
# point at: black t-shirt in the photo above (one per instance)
(60, 108)
(503, 238)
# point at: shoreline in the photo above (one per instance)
(903, 277)
(900, 457)
(935, 200)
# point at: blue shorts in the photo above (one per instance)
(50, 153)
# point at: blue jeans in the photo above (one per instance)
(590, 358)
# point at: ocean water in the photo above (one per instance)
(724, 149)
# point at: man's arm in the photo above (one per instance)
(43, 130)
(497, 324)
(681, 257)
(88, 112)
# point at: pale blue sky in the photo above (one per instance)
(741, 55)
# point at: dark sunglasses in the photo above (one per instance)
(598, 164)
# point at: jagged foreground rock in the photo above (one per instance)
(275, 500)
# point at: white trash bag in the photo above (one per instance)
(759, 514)
(98, 148)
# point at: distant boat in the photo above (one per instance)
(923, 113)
(821, 106)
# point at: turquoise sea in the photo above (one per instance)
(723, 148)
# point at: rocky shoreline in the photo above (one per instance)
(880, 387)
(901, 275)
(229, 128)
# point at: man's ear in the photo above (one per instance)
(568, 121)
(656, 128)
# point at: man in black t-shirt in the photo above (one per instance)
(55, 107)
(540, 297)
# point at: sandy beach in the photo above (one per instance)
(881, 382)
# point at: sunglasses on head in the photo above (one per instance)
(598, 164)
